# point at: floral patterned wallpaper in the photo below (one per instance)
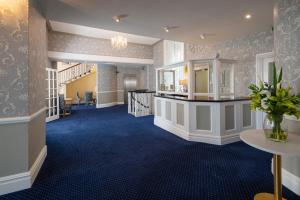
(107, 84)
(287, 55)
(14, 60)
(63, 42)
(158, 54)
(243, 49)
(287, 39)
(38, 58)
(23, 59)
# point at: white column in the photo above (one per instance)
(191, 81)
(157, 80)
(216, 72)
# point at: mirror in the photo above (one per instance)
(226, 79)
(167, 80)
(173, 79)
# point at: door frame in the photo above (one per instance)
(258, 76)
(49, 98)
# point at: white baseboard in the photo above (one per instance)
(196, 137)
(105, 105)
(21, 181)
(171, 128)
(289, 180)
(35, 168)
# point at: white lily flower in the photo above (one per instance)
(264, 104)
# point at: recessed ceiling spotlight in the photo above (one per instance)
(168, 28)
(206, 35)
(118, 18)
(248, 16)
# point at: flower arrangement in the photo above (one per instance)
(276, 101)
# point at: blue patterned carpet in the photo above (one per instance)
(107, 154)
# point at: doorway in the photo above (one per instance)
(201, 81)
(130, 83)
(264, 72)
(52, 100)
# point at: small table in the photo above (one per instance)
(68, 101)
(257, 139)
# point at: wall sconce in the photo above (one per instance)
(185, 72)
(14, 7)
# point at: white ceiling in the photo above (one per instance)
(224, 18)
(99, 33)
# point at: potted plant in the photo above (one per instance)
(276, 101)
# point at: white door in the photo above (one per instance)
(52, 100)
(264, 72)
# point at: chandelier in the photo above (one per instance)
(119, 42)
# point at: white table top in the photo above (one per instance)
(256, 138)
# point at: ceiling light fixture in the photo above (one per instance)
(248, 16)
(168, 28)
(119, 42)
(118, 18)
(204, 36)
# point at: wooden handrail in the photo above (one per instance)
(70, 67)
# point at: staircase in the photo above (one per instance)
(74, 72)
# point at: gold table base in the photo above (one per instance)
(277, 182)
(265, 196)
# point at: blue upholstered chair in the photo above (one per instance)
(64, 109)
(88, 98)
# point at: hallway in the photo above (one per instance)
(107, 154)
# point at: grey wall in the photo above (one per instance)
(158, 54)
(287, 55)
(37, 58)
(14, 62)
(13, 139)
(63, 42)
(152, 78)
(23, 55)
(110, 82)
(107, 84)
(140, 73)
(243, 49)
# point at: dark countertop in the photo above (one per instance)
(202, 98)
(142, 91)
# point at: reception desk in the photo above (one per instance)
(204, 119)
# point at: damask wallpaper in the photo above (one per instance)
(14, 60)
(158, 54)
(287, 39)
(107, 84)
(287, 55)
(38, 58)
(63, 42)
(243, 49)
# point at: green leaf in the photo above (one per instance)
(280, 76)
(274, 78)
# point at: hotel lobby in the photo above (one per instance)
(149, 100)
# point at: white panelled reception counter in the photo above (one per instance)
(204, 119)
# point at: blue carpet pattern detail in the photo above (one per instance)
(107, 154)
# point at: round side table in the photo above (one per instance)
(256, 138)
